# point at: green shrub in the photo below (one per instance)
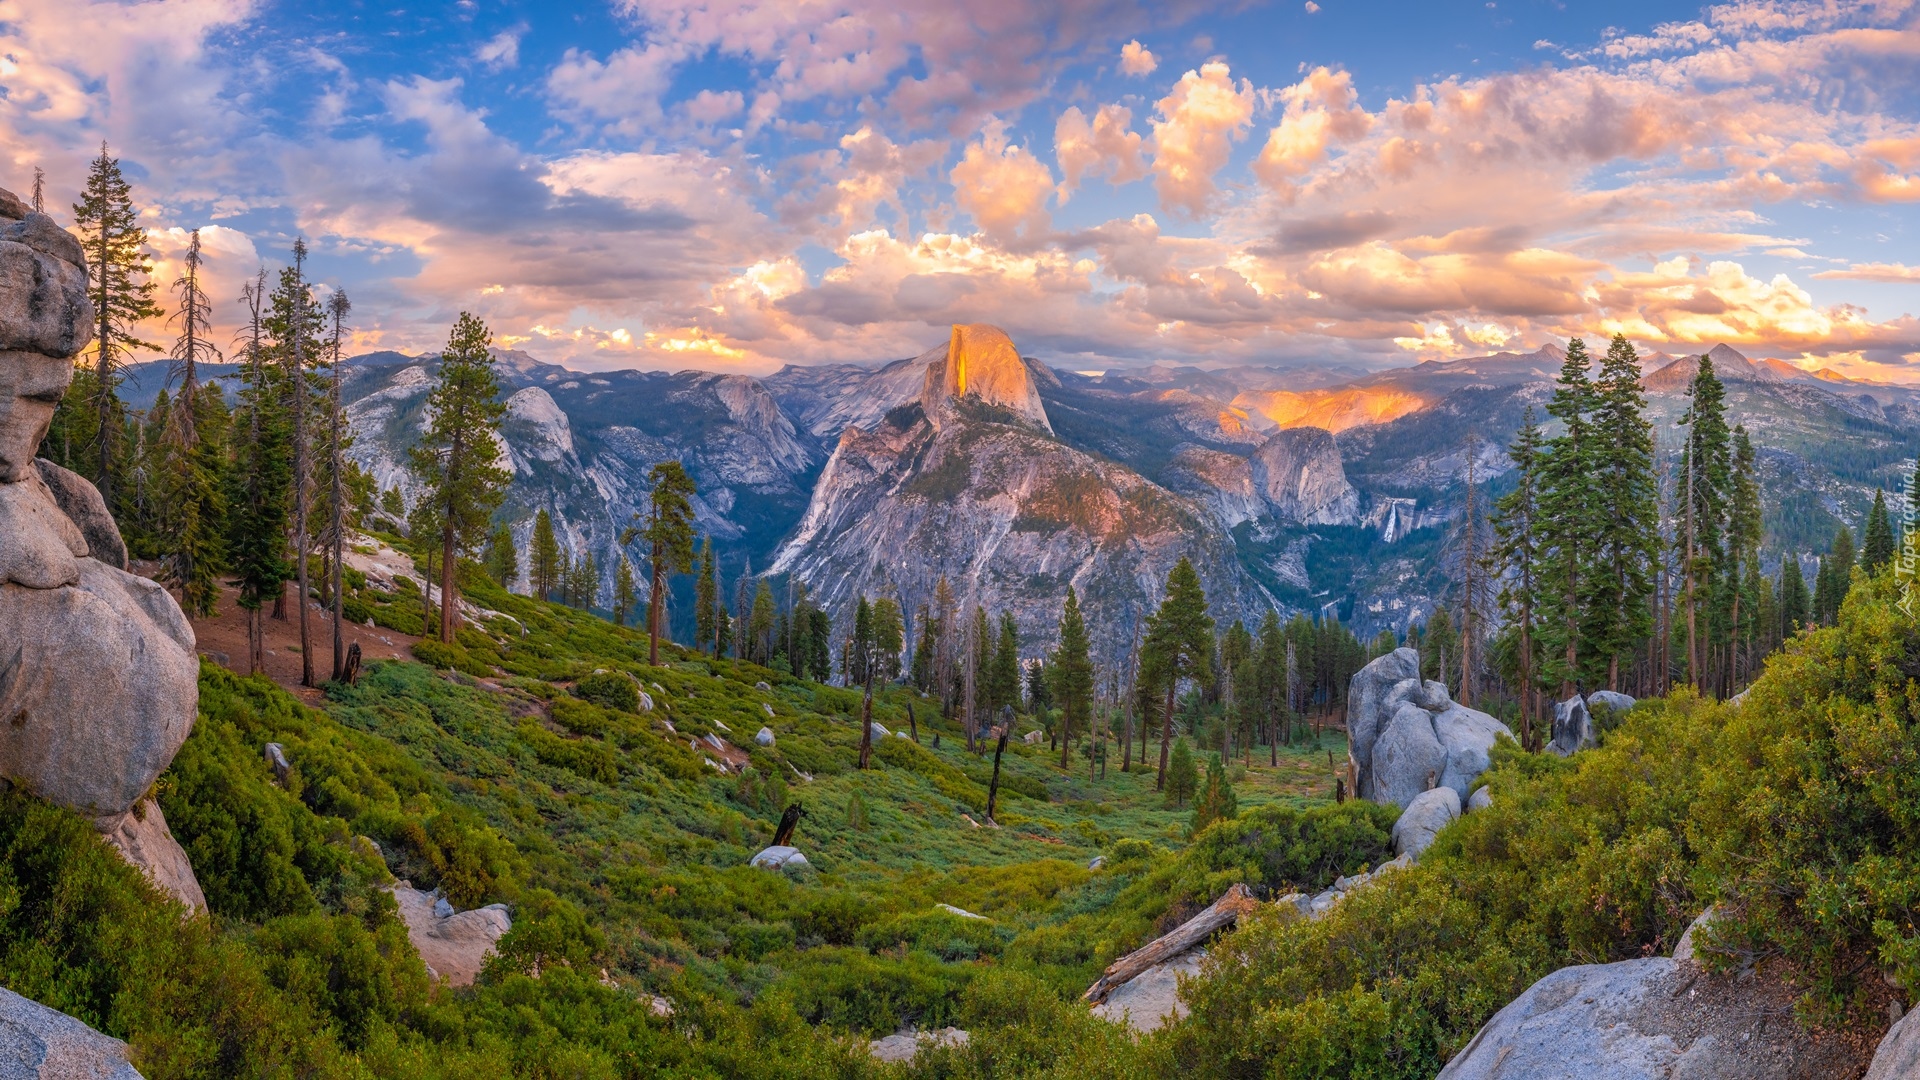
(609, 689)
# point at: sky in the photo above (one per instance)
(740, 184)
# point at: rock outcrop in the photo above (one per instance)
(982, 363)
(1151, 999)
(453, 944)
(1422, 820)
(778, 857)
(1299, 473)
(38, 1043)
(1574, 728)
(906, 1045)
(99, 680)
(1898, 1057)
(1405, 735)
(1651, 1019)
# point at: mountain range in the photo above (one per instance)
(1014, 479)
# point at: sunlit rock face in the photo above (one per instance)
(1300, 473)
(978, 489)
(982, 364)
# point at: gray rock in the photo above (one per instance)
(1480, 799)
(778, 858)
(1151, 999)
(905, 1045)
(1424, 817)
(98, 685)
(878, 731)
(962, 912)
(1651, 1019)
(276, 756)
(13, 207)
(1096, 862)
(1614, 700)
(764, 736)
(454, 946)
(646, 701)
(1898, 1057)
(38, 1043)
(44, 306)
(142, 838)
(40, 547)
(1407, 734)
(1572, 728)
(768, 706)
(1684, 949)
(763, 687)
(31, 387)
(77, 498)
(1365, 714)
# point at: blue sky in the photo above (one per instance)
(737, 184)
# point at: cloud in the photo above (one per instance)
(1105, 146)
(1319, 110)
(1194, 128)
(1312, 8)
(502, 50)
(1003, 186)
(709, 107)
(1136, 60)
(1898, 273)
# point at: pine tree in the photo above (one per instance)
(119, 274)
(860, 645)
(1706, 467)
(1070, 675)
(1793, 596)
(1271, 662)
(502, 558)
(1744, 526)
(1180, 780)
(625, 592)
(706, 599)
(889, 637)
(458, 458)
(337, 440)
(294, 323)
(190, 474)
(1216, 801)
(1838, 567)
(1876, 548)
(1179, 646)
(1618, 589)
(924, 646)
(1569, 504)
(1517, 554)
(1437, 645)
(669, 536)
(257, 520)
(1003, 677)
(543, 569)
(760, 625)
(946, 634)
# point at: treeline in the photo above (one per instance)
(259, 493)
(1610, 566)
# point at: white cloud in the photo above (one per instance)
(1136, 60)
(502, 50)
(1193, 132)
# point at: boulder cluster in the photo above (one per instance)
(1408, 737)
(98, 671)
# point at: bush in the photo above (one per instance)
(609, 689)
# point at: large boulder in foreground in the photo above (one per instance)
(1151, 999)
(38, 1043)
(1898, 1057)
(1651, 1019)
(1422, 820)
(1405, 735)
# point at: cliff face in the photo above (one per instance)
(982, 365)
(1007, 513)
(1300, 473)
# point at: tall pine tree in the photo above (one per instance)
(458, 459)
(1179, 646)
(1617, 590)
(543, 562)
(1070, 675)
(706, 600)
(669, 535)
(1705, 472)
(1569, 502)
(193, 453)
(1876, 547)
(121, 286)
(1516, 553)
(262, 471)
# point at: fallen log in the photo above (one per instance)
(1221, 913)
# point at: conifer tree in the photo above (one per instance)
(1743, 557)
(337, 307)
(1793, 596)
(706, 599)
(257, 520)
(759, 644)
(1271, 650)
(543, 566)
(1179, 772)
(1516, 552)
(1876, 548)
(502, 558)
(1705, 468)
(947, 632)
(458, 458)
(1617, 592)
(192, 502)
(625, 591)
(1070, 675)
(669, 536)
(1569, 503)
(921, 671)
(1215, 801)
(294, 323)
(888, 638)
(1004, 676)
(1179, 646)
(119, 275)
(1437, 645)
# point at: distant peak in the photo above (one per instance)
(981, 362)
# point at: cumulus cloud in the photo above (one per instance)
(1318, 110)
(1003, 186)
(1194, 128)
(1135, 59)
(1105, 146)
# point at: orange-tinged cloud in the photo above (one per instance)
(1003, 186)
(1194, 129)
(1106, 146)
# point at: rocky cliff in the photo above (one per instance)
(98, 674)
(1008, 513)
(1299, 472)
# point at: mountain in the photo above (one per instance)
(1332, 495)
